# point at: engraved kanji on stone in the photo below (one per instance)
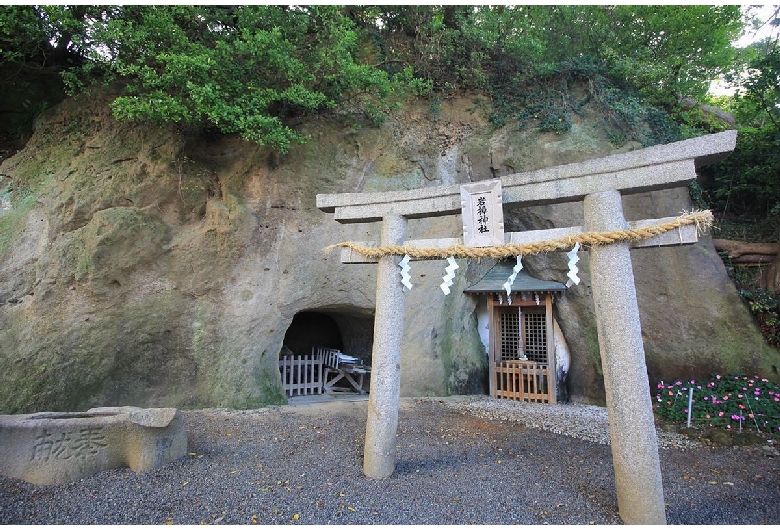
(61, 449)
(88, 440)
(43, 446)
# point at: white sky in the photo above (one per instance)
(764, 12)
(717, 88)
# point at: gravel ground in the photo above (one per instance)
(460, 460)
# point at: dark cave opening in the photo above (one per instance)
(349, 330)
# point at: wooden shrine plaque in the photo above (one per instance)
(482, 214)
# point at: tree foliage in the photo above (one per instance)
(252, 69)
(242, 70)
(246, 70)
(673, 50)
(747, 183)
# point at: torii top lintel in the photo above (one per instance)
(649, 169)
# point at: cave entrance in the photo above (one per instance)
(327, 351)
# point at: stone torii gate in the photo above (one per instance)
(599, 184)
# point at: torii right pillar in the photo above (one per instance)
(638, 482)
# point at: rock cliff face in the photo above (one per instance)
(142, 266)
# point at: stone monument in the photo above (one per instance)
(60, 447)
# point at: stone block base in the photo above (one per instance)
(60, 447)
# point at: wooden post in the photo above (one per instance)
(552, 372)
(492, 344)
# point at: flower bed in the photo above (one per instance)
(732, 402)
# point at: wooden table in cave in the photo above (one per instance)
(349, 373)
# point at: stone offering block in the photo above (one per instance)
(59, 447)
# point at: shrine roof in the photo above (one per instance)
(494, 279)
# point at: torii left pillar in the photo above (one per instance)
(382, 420)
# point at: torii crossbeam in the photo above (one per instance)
(599, 184)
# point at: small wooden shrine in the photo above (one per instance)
(521, 349)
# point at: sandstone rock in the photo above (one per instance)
(164, 270)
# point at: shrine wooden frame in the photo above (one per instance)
(545, 299)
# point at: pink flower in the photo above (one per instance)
(720, 413)
(707, 416)
(717, 377)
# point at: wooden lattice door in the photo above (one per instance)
(510, 338)
(521, 363)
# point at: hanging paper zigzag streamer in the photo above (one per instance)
(405, 276)
(445, 286)
(573, 269)
(508, 284)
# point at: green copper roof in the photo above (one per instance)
(495, 278)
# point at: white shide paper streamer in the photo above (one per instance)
(405, 276)
(573, 269)
(447, 283)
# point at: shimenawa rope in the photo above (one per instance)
(702, 219)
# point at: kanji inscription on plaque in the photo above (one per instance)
(483, 217)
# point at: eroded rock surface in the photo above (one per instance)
(146, 267)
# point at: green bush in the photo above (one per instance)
(732, 402)
(765, 307)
